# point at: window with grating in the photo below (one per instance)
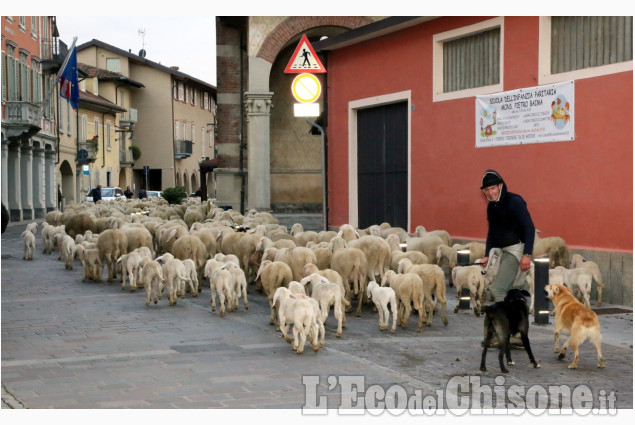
(471, 61)
(579, 42)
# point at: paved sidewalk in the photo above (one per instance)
(73, 345)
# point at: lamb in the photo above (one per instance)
(396, 254)
(67, 252)
(91, 262)
(327, 294)
(578, 262)
(273, 275)
(191, 247)
(219, 282)
(301, 313)
(555, 247)
(175, 276)
(351, 264)
(381, 296)
(48, 233)
(409, 292)
(190, 268)
(32, 227)
(433, 280)
(239, 285)
(131, 264)
(333, 277)
(469, 277)
(152, 277)
(230, 258)
(29, 244)
(579, 282)
(112, 243)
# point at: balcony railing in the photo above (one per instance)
(22, 119)
(183, 149)
(125, 157)
(86, 152)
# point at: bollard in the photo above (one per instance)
(463, 259)
(403, 246)
(541, 302)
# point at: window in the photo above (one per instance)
(190, 95)
(181, 92)
(468, 61)
(70, 118)
(113, 64)
(3, 75)
(574, 47)
(33, 27)
(25, 79)
(195, 103)
(107, 135)
(175, 90)
(61, 114)
(193, 132)
(96, 124)
(22, 22)
(82, 129)
(177, 130)
(37, 81)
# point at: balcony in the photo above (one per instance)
(182, 149)
(126, 158)
(86, 152)
(22, 120)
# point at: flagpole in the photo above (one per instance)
(57, 78)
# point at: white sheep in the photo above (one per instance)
(553, 246)
(175, 276)
(152, 278)
(351, 264)
(32, 227)
(301, 236)
(381, 297)
(409, 292)
(327, 294)
(131, 264)
(29, 245)
(333, 277)
(272, 275)
(428, 244)
(578, 262)
(396, 253)
(579, 281)
(300, 312)
(472, 278)
(190, 268)
(377, 253)
(239, 285)
(348, 233)
(219, 282)
(421, 231)
(433, 280)
(67, 251)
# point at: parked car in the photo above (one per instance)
(155, 194)
(107, 194)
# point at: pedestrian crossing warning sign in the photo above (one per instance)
(304, 59)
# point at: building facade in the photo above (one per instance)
(174, 127)
(268, 158)
(420, 112)
(29, 137)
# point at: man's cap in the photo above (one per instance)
(490, 178)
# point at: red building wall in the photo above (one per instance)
(581, 190)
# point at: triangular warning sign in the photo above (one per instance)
(304, 59)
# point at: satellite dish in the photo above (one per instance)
(142, 53)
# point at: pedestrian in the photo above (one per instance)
(510, 228)
(59, 198)
(143, 194)
(97, 193)
(128, 193)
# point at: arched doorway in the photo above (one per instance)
(67, 185)
(123, 181)
(186, 183)
(194, 182)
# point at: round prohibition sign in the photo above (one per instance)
(306, 88)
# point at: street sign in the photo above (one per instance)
(306, 88)
(304, 59)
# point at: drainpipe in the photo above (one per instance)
(103, 140)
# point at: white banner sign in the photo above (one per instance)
(530, 115)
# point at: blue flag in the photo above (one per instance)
(69, 87)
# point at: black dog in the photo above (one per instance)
(506, 318)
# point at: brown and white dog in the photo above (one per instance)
(576, 318)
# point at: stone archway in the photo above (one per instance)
(186, 183)
(194, 182)
(67, 184)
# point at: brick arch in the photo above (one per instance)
(293, 26)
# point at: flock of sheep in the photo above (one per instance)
(174, 249)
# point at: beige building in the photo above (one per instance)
(175, 116)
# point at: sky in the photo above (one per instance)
(188, 42)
